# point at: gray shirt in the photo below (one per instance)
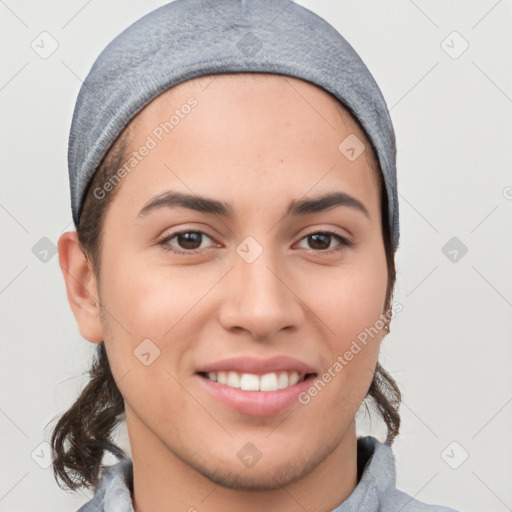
(375, 492)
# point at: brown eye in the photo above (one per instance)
(185, 242)
(321, 241)
(189, 240)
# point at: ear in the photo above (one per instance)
(81, 286)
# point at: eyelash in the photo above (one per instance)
(344, 243)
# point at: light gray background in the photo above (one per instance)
(450, 348)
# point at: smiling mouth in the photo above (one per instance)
(272, 381)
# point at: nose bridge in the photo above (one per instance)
(260, 276)
(260, 300)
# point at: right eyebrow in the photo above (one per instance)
(172, 199)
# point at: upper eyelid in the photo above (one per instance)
(343, 240)
(167, 238)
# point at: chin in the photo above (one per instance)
(271, 469)
(261, 477)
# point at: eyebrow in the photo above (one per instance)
(202, 204)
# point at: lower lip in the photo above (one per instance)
(256, 403)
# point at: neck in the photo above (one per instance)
(162, 480)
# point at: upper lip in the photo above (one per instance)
(258, 366)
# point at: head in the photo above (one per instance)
(251, 279)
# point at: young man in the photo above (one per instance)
(233, 184)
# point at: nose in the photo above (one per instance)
(260, 298)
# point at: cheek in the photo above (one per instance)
(153, 302)
(151, 328)
(351, 300)
(350, 303)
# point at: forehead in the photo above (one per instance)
(238, 91)
(242, 129)
(248, 88)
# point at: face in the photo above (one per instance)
(258, 285)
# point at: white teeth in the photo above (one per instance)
(233, 380)
(282, 381)
(268, 382)
(293, 378)
(251, 382)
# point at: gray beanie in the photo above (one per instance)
(188, 38)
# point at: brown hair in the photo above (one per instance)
(83, 433)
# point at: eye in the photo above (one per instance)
(188, 241)
(321, 240)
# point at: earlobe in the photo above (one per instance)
(81, 287)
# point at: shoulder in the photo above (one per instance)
(113, 493)
(378, 481)
(407, 503)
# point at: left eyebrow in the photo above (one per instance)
(326, 202)
(202, 204)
